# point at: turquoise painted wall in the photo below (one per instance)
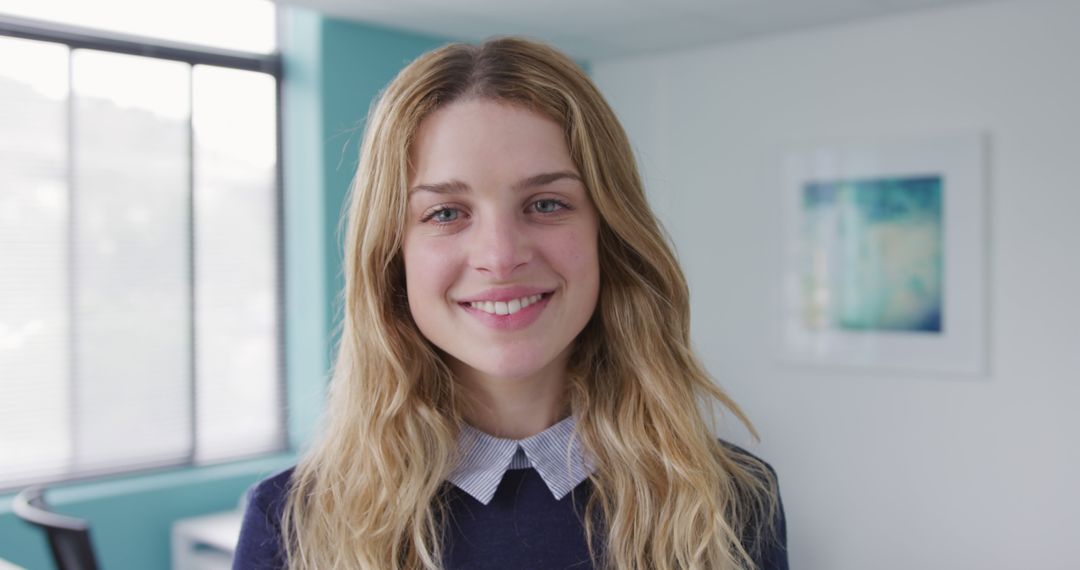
(357, 62)
(306, 331)
(131, 517)
(333, 70)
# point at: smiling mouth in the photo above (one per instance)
(510, 307)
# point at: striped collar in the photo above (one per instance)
(555, 453)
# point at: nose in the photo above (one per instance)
(499, 246)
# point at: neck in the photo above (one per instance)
(514, 408)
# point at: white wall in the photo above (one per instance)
(888, 471)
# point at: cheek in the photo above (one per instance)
(579, 260)
(590, 267)
(428, 273)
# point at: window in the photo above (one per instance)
(140, 250)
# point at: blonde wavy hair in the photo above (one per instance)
(369, 493)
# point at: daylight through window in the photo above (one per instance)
(140, 287)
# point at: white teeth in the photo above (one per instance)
(505, 307)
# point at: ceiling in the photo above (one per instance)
(600, 29)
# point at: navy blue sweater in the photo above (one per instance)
(523, 527)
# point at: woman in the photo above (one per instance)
(514, 386)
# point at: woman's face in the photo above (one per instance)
(500, 246)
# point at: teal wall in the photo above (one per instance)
(333, 70)
(357, 62)
(131, 517)
(306, 331)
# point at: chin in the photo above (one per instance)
(515, 372)
(510, 367)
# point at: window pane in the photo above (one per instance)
(133, 221)
(131, 274)
(244, 25)
(34, 407)
(234, 118)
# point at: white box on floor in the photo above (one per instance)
(206, 542)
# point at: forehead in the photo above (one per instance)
(480, 140)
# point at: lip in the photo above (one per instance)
(506, 294)
(516, 321)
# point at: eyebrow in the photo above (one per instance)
(458, 187)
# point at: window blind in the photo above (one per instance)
(140, 278)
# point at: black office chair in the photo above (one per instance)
(69, 537)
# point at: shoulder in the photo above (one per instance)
(765, 492)
(269, 494)
(766, 539)
(752, 463)
(260, 545)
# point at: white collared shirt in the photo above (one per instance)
(554, 453)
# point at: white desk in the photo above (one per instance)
(5, 565)
(207, 542)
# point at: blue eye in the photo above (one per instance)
(548, 206)
(443, 215)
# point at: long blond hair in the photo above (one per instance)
(667, 494)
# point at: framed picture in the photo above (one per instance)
(885, 255)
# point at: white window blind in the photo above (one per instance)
(140, 290)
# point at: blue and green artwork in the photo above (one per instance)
(873, 254)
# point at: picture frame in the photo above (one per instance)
(885, 255)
